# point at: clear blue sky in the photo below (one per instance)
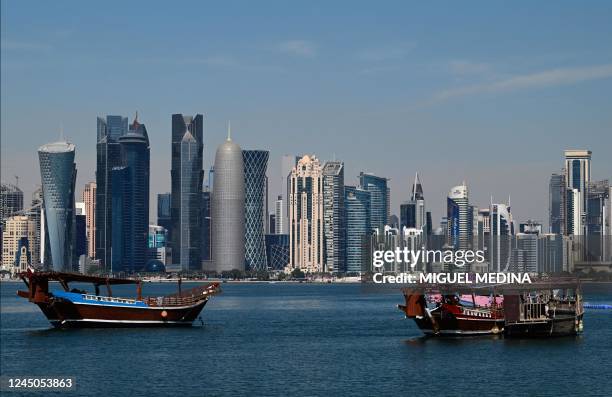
(489, 92)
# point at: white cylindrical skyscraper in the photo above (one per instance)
(227, 208)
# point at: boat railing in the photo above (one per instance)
(186, 298)
(99, 298)
(533, 312)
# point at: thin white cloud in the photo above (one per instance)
(463, 67)
(547, 78)
(302, 48)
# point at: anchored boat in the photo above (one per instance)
(73, 308)
(543, 308)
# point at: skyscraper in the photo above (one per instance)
(357, 209)
(130, 184)
(379, 199)
(19, 233)
(306, 216)
(58, 176)
(502, 231)
(187, 176)
(577, 178)
(288, 161)
(255, 165)
(556, 198)
(279, 216)
(459, 217)
(227, 208)
(206, 226)
(11, 201)
(108, 157)
(334, 222)
(163, 214)
(412, 212)
(89, 198)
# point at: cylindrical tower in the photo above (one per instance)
(227, 208)
(58, 176)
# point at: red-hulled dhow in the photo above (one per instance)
(73, 308)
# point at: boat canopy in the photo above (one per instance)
(79, 278)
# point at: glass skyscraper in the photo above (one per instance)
(255, 165)
(460, 218)
(11, 201)
(379, 199)
(334, 217)
(130, 201)
(556, 193)
(163, 212)
(108, 157)
(58, 176)
(187, 175)
(357, 208)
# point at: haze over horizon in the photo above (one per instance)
(492, 95)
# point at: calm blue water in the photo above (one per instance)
(303, 339)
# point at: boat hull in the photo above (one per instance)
(66, 314)
(567, 325)
(449, 325)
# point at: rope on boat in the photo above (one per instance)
(603, 306)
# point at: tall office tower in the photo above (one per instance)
(500, 240)
(255, 165)
(597, 221)
(89, 198)
(187, 177)
(525, 255)
(130, 187)
(306, 216)
(80, 230)
(552, 256)
(357, 208)
(35, 214)
(279, 216)
(334, 222)
(108, 157)
(211, 177)
(428, 223)
(412, 212)
(227, 208)
(11, 201)
(459, 218)
(556, 199)
(379, 199)
(271, 224)
(19, 233)
(206, 250)
(288, 162)
(156, 245)
(577, 178)
(58, 176)
(163, 214)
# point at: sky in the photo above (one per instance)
(486, 92)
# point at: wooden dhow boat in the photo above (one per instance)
(74, 308)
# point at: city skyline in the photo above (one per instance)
(437, 103)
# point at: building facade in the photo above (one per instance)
(11, 201)
(17, 238)
(187, 177)
(357, 209)
(460, 218)
(58, 176)
(255, 166)
(89, 198)
(227, 208)
(379, 199)
(577, 179)
(108, 156)
(334, 217)
(306, 216)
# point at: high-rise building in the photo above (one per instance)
(35, 214)
(227, 208)
(459, 218)
(255, 165)
(187, 177)
(163, 214)
(11, 201)
(379, 199)
(597, 223)
(156, 244)
(108, 157)
(412, 212)
(130, 201)
(577, 178)
(500, 242)
(271, 224)
(277, 251)
(279, 216)
(306, 216)
(80, 229)
(357, 209)
(17, 239)
(334, 217)
(556, 199)
(206, 226)
(58, 176)
(288, 162)
(89, 198)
